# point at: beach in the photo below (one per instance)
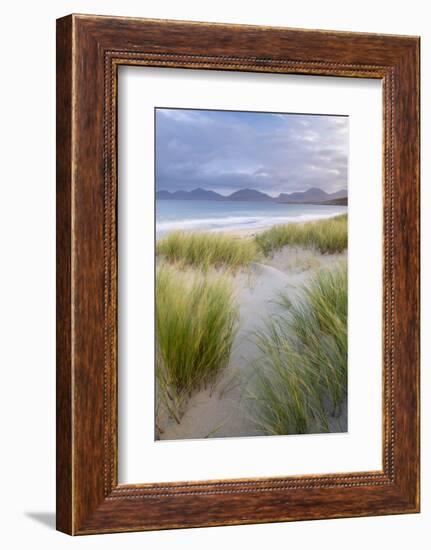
(239, 217)
(223, 409)
(251, 273)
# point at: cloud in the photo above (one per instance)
(228, 150)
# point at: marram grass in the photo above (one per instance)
(196, 320)
(327, 236)
(204, 250)
(303, 373)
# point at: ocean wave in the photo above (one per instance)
(231, 223)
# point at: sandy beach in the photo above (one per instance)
(224, 410)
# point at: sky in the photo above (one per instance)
(274, 153)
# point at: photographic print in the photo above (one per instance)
(238, 253)
(251, 283)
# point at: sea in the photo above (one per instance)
(201, 215)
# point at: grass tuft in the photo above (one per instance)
(196, 320)
(327, 236)
(303, 373)
(204, 250)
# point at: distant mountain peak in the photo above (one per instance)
(196, 194)
(311, 195)
(247, 194)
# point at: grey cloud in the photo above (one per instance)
(227, 151)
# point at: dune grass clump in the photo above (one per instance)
(196, 320)
(303, 373)
(204, 250)
(327, 236)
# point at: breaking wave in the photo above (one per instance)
(232, 223)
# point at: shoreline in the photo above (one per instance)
(248, 231)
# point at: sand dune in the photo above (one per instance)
(223, 411)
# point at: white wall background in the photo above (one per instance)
(27, 255)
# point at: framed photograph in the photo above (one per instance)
(237, 274)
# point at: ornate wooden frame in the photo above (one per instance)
(89, 51)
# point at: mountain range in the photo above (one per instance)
(314, 195)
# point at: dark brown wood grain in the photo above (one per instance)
(89, 51)
(64, 287)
